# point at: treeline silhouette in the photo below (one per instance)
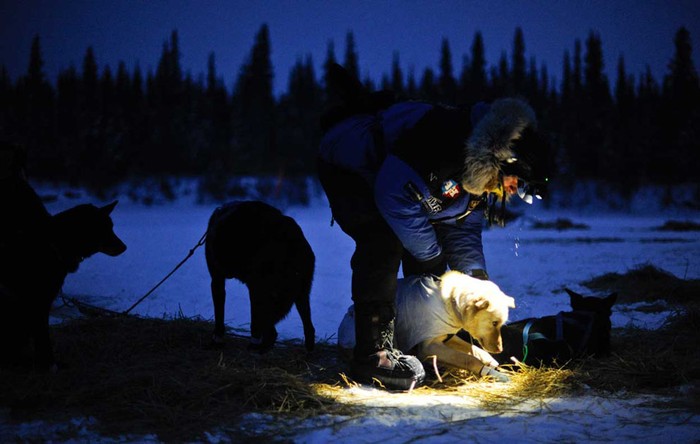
(97, 127)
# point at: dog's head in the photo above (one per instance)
(600, 311)
(601, 306)
(483, 307)
(87, 229)
(111, 244)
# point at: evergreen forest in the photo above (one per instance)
(98, 126)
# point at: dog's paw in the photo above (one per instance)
(262, 345)
(215, 343)
(495, 374)
(217, 338)
(309, 344)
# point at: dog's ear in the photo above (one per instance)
(510, 301)
(573, 296)
(481, 302)
(107, 209)
(610, 299)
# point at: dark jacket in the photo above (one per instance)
(421, 160)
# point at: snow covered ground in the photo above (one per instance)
(531, 265)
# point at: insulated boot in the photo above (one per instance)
(374, 358)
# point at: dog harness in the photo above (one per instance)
(584, 322)
(527, 337)
(581, 319)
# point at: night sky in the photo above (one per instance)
(134, 32)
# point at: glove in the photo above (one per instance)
(492, 372)
(435, 266)
(479, 273)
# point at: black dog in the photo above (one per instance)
(33, 266)
(266, 250)
(554, 340)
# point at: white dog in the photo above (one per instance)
(430, 313)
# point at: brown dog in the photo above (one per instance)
(266, 250)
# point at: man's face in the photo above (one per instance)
(510, 184)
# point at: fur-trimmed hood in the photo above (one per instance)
(491, 143)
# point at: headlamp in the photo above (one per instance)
(526, 190)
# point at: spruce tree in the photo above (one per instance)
(42, 114)
(681, 84)
(69, 124)
(447, 86)
(597, 87)
(299, 116)
(624, 133)
(254, 111)
(596, 159)
(330, 60)
(566, 79)
(681, 95)
(500, 77)
(90, 88)
(35, 109)
(563, 121)
(411, 87)
(531, 85)
(169, 152)
(351, 62)
(396, 84)
(577, 74)
(428, 88)
(476, 88)
(90, 143)
(518, 72)
(573, 121)
(648, 113)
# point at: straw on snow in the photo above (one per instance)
(160, 376)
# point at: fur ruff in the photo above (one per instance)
(491, 143)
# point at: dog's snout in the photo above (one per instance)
(494, 347)
(494, 350)
(114, 247)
